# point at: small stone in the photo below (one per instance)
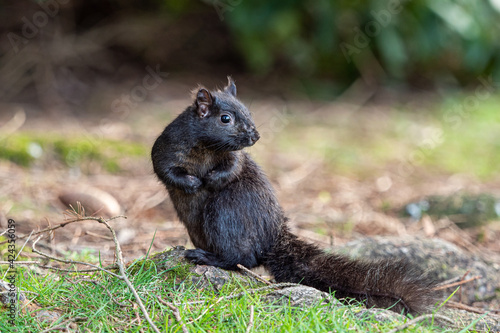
(95, 201)
(301, 296)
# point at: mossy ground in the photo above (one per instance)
(86, 152)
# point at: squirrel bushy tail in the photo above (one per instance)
(394, 284)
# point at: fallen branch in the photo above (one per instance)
(253, 274)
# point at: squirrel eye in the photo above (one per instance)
(225, 118)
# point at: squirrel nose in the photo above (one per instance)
(254, 136)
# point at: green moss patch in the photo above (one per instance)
(87, 152)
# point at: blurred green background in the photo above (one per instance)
(427, 64)
(438, 59)
(421, 43)
(315, 48)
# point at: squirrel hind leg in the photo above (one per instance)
(202, 257)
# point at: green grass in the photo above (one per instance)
(86, 152)
(75, 296)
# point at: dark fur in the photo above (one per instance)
(233, 217)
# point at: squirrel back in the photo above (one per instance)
(232, 215)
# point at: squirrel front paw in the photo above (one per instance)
(192, 185)
(214, 180)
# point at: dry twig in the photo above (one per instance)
(74, 262)
(74, 270)
(63, 224)
(120, 262)
(253, 274)
(459, 283)
(118, 253)
(250, 322)
(456, 305)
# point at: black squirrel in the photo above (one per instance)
(233, 217)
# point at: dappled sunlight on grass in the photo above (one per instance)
(85, 152)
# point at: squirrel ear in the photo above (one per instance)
(231, 87)
(204, 101)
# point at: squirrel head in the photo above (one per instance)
(224, 122)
